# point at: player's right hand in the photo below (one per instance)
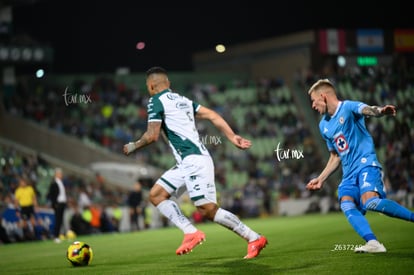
(314, 184)
(241, 142)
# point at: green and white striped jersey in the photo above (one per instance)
(176, 112)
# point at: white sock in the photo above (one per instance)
(172, 211)
(231, 221)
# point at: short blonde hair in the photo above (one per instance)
(58, 170)
(320, 83)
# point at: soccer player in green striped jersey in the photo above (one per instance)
(174, 115)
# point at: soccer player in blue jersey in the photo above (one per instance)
(350, 144)
(175, 115)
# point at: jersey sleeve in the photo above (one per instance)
(155, 110)
(356, 107)
(196, 107)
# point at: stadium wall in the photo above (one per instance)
(270, 58)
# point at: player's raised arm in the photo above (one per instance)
(219, 122)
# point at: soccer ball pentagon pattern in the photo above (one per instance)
(79, 254)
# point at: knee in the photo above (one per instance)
(347, 205)
(208, 210)
(371, 203)
(157, 195)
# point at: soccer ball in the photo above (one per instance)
(79, 254)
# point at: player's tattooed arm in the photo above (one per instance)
(371, 111)
(151, 135)
(378, 111)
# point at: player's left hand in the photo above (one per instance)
(129, 148)
(241, 142)
(389, 110)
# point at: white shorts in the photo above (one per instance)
(196, 175)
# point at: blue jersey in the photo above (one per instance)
(345, 133)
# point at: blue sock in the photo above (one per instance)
(389, 208)
(357, 220)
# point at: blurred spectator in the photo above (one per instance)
(41, 229)
(95, 212)
(98, 219)
(57, 197)
(26, 200)
(135, 205)
(78, 224)
(116, 216)
(26, 203)
(252, 194)
(83, 197)
(237, 204)
(11, 221)
(108, 223)
(4, 238)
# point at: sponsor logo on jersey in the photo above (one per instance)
(181, 105)
(172, 96)
(341, 143)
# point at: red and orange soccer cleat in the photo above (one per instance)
(254, 247)
(190, 241)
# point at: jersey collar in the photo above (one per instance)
(337, 108)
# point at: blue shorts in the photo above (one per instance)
(370, 178)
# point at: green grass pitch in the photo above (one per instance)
(311, 244)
